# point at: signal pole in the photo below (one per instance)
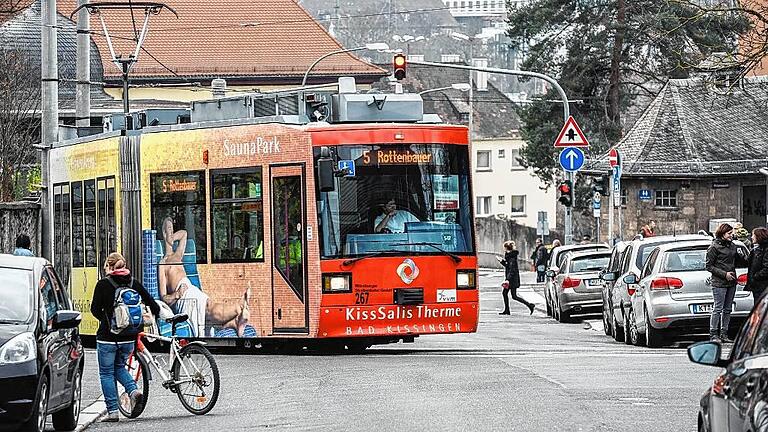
(50, 118)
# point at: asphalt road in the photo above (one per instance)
(517, 373)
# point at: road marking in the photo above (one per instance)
(538, 375)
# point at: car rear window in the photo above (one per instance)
(562, 255)
(589, 263)
(15, 295)
(685, 260)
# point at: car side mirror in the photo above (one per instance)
(706, 353)
(630, 279)
(551, 273)
(66, 319)
(608, 276)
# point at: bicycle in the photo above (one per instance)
(191, 372)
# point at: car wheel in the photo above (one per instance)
(562, 316)
(634, 333)
(618, 332)
(66, 420)
(627, 335)
(703, 426)
(36, 422)
(606, 323)
(653, 337)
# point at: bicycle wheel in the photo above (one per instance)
(137, 368)
(200, 389)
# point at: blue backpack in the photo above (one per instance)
(127, 317)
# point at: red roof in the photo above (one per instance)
(253, 41)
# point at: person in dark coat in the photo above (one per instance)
(757, 275)
(539, 258)
(113, 350)
(722, 258)
(512, 274)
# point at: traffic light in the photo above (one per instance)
(600, 185)
(399, 66)
(565, 193)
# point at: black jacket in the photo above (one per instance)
(540, 256)
(757, 275)
(102, 305)
(511, 271)
(722, 258)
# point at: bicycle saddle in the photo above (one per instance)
(177, 318)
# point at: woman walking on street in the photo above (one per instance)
(757, 275)
(512, 274)
(722, 258)
(113, 350)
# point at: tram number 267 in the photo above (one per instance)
(361, 297)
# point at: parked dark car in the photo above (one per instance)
(41, 356)
(738, 398)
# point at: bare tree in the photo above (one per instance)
(19, 117)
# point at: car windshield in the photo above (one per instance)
(15, 295)
(397, 198)
(685, 260)
(589, 263)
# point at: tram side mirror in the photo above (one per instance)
(325, 171)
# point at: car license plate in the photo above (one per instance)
(594, 282)
(706, 308)
(702, 308)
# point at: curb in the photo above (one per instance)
(91, 414)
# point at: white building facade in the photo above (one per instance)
(505, 189)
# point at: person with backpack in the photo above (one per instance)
(117, 304)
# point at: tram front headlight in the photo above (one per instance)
(465, 279)
(338, 282)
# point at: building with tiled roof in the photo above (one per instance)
(695, 155)
(258, 45)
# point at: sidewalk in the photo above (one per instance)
(92, 402)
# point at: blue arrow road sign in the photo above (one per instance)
(349, 165)
(571, 159)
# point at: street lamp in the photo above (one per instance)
(458, 86)
(378, 46)
(764, 171)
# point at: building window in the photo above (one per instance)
(501, 199)
(178, 207)
(502, 154)
(483, 160)
(515, 159)
(666, 198)
(238, 216)
(483, 205)
(624, 197)
(517, 204)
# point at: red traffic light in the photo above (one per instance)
(564, 188)
(399, 63)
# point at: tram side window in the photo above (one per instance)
(90, 223)
(78, 247)
(62, 230)
(178, 203)
(238, 215)
(107, 227)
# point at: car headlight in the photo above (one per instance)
(340, 282)
(20, 349)
(465, 279)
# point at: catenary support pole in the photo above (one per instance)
(50, 118)
(83, 96)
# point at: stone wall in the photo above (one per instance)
(492, 232)
(19, 218)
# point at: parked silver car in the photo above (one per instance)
(634, 260)
(577, 285)
(674, 295)
(556, 257)
(615, 267)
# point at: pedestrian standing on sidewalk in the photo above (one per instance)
(539, 258)
(512, 274)
(113, 350)
(757, 275)
(722, 258)
(23, 246)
